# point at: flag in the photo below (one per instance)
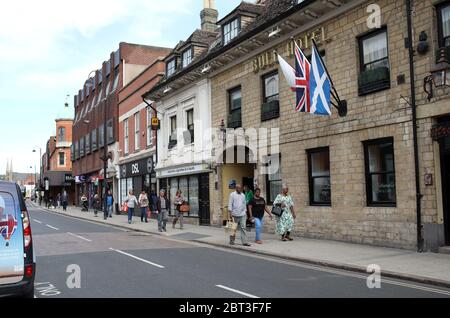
(310, 82)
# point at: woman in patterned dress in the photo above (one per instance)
(285, 223)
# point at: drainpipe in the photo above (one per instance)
(420, 241)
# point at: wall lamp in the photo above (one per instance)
(439, 77)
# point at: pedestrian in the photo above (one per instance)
(144, 203)
(162, 206)
(64, 200)
(97, 204)
(84, 203)
(285, 223)
(153, 199)
(257, 206)
(58, 200)
(109, 203)
(178, 202)
(132, 202)
(248, 197)
(238, 209)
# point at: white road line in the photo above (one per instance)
(137, 258)
(80, 237)
(237, 292)
(37, 221)
(52, 227)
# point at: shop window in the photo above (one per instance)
(380, 172)
(173, 132)
(137, 125)
(235, 106)
(273, 179)
(319, 176)
(271, 106)
(374, 62)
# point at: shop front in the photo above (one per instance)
(137, 176)
(56, 182)
(89, 185)
(193, 181)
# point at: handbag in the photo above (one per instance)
(231, 226)
(125, 207)
(185, 208)
(278, 211)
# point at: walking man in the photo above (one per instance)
(64, 200)
(257, 207)
(144, 203)
(238, 210)
(162, 205)
(109, 204)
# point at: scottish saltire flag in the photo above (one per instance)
(310, 81)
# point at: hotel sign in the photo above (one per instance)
(269, 58)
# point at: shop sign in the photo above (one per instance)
(155, 123)
(182, 171)
(270, 58)
(137, 168)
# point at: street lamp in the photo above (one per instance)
(40, 165)
(439, 77)
(106, 156)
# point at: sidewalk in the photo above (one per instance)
(427, 268)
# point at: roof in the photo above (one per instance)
(243, 8)
(199, 37)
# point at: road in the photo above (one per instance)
(115, 263)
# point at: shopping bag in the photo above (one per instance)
(185, 208)
(231, 226)
(125, 208)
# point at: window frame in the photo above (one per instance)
(188, 50)
(94, 140)
(110, 139)
(230, 93)
(63, 157)
(88, 144)
(264, 78)
(149, 114)
(239, 27)
(366, 36)
(311, 179)
(137, 129)
(126, 140)
(61, 136)
(440, 29)
(368, 175)
(188, 111)
(269, 200)
(172, 143)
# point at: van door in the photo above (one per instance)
(11, 240)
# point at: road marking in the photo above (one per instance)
(237, 292)
(137, 258)
(80, 237)
(37, 221)
(52, 227)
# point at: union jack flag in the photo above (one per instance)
(302, 81)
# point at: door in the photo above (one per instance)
(445, 167)
(203, 200)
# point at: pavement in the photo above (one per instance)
(423, 268)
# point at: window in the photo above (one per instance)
(99, 96)
(126, 140)
(72, 152)
(190, 126)
(273, 181)
(61, 134)
(110, 131)
(374, 62)
(187, 57)
(82, 147)
(444, 24)
(137, 139)
(173, 132)
(116, 79)
(101, 136)
(77, 150)
(94, 140)
(235, 100)
(108, 86)
(149, 127)
(231, 30)
(88, 144)
(319, 176)
(62, 159)
(380, 172)
(271, 106)
(171, 67)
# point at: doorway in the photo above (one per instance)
(445, 167)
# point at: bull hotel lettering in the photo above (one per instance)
(269, 58)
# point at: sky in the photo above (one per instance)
(49, 47)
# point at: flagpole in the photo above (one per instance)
(342, 104)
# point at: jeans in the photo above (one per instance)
(163, 216)
(259, 223)
(130, 214)
(144, 214)
(242, 224)
(178, 216)
(110, 210)
(64, 204)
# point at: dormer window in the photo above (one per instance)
(231, 30)
(187, 57)
(171, 67)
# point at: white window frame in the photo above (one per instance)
(231, 30)
(126, 144)
(149, 127)
(137, 126)
(187, 57)
(171, 70)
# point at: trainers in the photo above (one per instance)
(247, 244)
(258, 242)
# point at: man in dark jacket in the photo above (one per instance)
(162, 205)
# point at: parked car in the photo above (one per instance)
(17, 260)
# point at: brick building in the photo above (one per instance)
(96, 105)
(377, 176)
(137, 141)
(57, 166)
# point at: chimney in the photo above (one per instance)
(209, 16)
